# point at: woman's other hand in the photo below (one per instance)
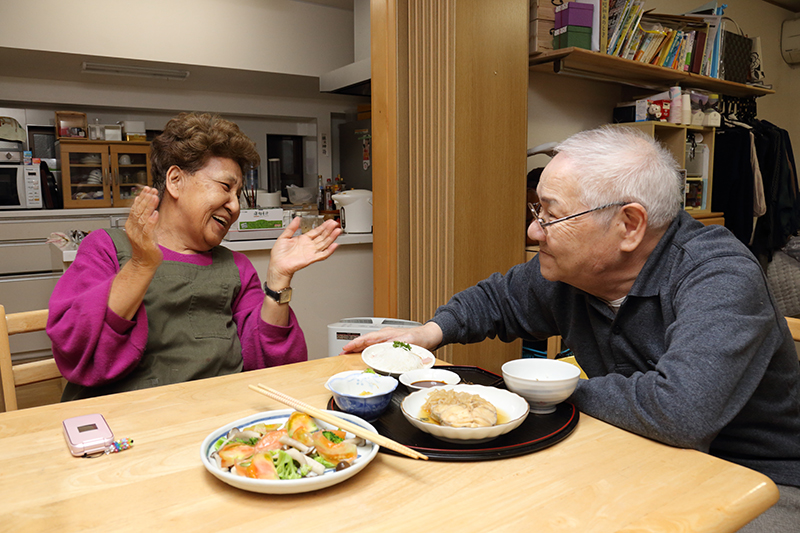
(428, 336)
(141, 230)
(295, 252)
(131, 282)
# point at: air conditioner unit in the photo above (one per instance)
(790, 41)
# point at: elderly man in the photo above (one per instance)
(671, 320)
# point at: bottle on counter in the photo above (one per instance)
(321, 197)
(329, 206)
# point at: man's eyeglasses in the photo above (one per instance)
(537, 208)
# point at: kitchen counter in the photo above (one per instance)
(37, 214)
(68, 256)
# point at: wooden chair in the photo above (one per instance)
(14, 376)
(794, 327)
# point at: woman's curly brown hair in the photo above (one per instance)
(189, 140)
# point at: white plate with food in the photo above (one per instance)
(226, 452)
(394, 358)
(458, 413)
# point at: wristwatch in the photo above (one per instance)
(283, 296)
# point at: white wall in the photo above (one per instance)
(282, 36)
(560, 105)
(323, 293)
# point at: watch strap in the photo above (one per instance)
(282, 296)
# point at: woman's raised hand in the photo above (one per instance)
(141, 229)
(295, 252)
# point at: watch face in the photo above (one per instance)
(285, 296)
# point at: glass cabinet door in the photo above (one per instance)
(130, 168)
(85, 177)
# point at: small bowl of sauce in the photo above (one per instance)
(425, 378)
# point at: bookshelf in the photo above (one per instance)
(603, 67)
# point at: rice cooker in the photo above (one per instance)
(355, 210)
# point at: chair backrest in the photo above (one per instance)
(14, 376)
(794, 327)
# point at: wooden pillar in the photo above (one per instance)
(449, 104)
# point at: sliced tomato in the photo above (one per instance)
(300, 427)
(270, 441)
(235, 452)
(261, 467)
(334, 452)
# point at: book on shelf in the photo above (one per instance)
(633, 30)
(604, 6)
(699, 49)
(687, 53)
(631, 17)
(686, 46)
(617, 11)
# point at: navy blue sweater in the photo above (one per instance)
(698, 355)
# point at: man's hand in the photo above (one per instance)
(428, 336)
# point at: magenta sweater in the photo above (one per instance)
(93, 345)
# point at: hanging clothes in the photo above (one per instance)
(734, 180)
(782, 219)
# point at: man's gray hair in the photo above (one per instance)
(622, 164)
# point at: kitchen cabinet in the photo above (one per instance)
(103, 173)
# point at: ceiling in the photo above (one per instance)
(791, 5)
(61, 66)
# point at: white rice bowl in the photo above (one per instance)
(385, 359)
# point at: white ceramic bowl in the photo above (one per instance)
(383, 358)
(363, 394)
(445, 377)
(511, 411)
(543, 382)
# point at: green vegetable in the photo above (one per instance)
(403, 345)
(284, 465)
(369, 371)
(324, 462)
(333, 437)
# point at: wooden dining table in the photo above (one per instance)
(599, 478)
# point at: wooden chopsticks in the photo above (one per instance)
(325, 416)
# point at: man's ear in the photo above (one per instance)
(634, 226)
(174, 181)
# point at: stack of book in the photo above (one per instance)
(690, 43)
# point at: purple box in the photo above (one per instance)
(574, 14)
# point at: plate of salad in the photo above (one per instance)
(286, 452)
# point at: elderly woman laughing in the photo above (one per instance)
(163, 302)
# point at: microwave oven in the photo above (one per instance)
(20, 187)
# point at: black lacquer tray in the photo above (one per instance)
(536, 433)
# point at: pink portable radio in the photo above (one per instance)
(87, 434)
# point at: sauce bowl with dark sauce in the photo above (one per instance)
(425, 378)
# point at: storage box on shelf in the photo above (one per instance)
(541, 28)
(103, 173)
(71, 124)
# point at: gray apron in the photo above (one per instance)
(191, 332)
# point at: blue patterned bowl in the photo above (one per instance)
(363, 394)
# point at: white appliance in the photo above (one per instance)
(20, 187)
(790, 41)
(355, 210)
(347, 329)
